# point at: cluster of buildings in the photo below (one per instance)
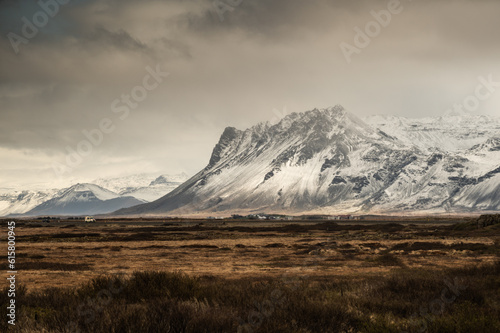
(277, 217)
(262, 216)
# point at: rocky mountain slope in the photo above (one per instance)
(329, 161)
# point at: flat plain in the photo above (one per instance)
(360, 276)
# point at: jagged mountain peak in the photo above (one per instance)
(303, 134)
(336, 114)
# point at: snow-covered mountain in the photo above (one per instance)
(330, 161)
(118, 184)
(143, 187)
(19, 202)
(451, 132)
(168, 179)
(146, 187)
(83, 199)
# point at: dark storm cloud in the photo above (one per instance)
(272, 19)
(263, 55)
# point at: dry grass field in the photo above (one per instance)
(247, 276)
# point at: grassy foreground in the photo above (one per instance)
(406, 300)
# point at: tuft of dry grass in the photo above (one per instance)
(155, 301)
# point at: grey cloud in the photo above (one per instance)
(264, 55)
(119, 39)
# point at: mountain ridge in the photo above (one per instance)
(329, 159)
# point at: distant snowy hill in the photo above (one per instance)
(83, 199)
(329, 161)
(451, 132)
(146, 187)
(143, 187)
(168, 179)
(19, 202)
(118, 184)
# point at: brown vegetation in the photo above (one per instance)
(310, 277)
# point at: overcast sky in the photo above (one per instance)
(230, 65)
